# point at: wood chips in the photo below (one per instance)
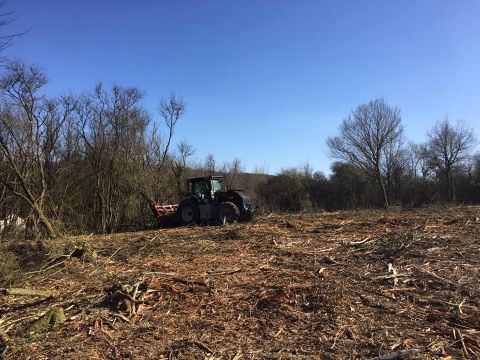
(363, 284)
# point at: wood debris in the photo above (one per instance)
(327, 285)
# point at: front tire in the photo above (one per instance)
(229, 213)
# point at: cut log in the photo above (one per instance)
(27, 292)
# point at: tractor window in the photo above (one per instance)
(200, 189)
(217, 185)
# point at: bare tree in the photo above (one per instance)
(448, 147)
(209, 164)
(180, 164)
(365, 135)
(417, 162)
(30, 126)
(6, 18)
(231, 171)
(158, 154)
(171, 111)
(476, 165)
(112, 127)
(394, 167)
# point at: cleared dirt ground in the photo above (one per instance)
(316, 286)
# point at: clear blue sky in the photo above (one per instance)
(265, 81)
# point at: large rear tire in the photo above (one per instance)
(229, 213)
(189, 212)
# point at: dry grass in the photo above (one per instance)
(287, 286)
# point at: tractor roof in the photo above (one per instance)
(200, 178)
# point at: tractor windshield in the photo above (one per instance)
(216, 185)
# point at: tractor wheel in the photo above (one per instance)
(229, 213)
(189, 213)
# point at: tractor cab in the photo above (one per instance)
(204, 188)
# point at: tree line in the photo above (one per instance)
(377, 167)
(99, 162)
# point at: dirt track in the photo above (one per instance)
(326, 285)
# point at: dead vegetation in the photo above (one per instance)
(329, 285)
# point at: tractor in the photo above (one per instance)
(206, 201)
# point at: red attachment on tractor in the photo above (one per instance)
(165, 210)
